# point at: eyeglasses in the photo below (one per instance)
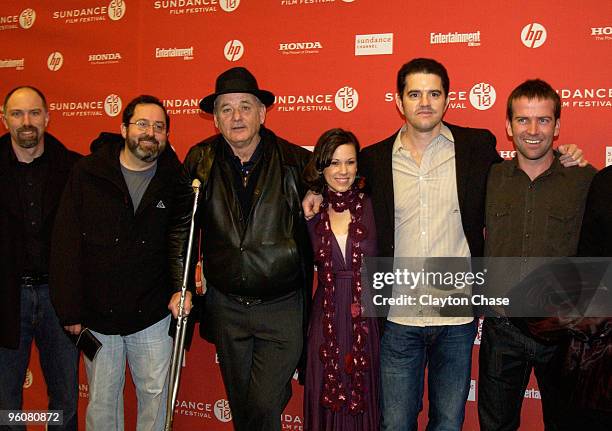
(158, 126)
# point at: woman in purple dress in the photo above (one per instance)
(342, 372)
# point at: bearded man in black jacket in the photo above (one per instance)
(34, 167)
(255, 248)
(117, 261)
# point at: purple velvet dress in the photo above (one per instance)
(317, 417)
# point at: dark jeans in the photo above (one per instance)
(405, 352)
(259, 347)
(507, 357)
(58, 358)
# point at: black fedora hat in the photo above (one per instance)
(236, 80)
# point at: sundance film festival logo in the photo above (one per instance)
(601, 33)
(112, 105)
(222, 411)
(233, 51)
(95, 107)
(456, 99)
(288, 48)
(196, 409)
(533, 35)
(116, 9)
(482, 96)
(18, 63)
(592, 97)
(183, 7)
(24, 20)
(346, 99)
(27, 18)
(55, 61)
(183, 106)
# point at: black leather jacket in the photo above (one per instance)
(267, 253)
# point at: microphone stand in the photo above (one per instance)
(178, 349)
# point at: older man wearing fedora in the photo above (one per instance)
(255, 249)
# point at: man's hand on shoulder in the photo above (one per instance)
(311, 204)
(571, 155)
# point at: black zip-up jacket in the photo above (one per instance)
(266, 253)
(12, 231)
(114, 270)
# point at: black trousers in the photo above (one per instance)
(506, 359)
(259, 347)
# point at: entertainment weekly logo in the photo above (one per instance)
(345, 99)
(601, 33)
(586, 97)
(114, 10)
(481, 97)
(9, 63)
(187, 106)
(24, 20)
(111, 106)
(533, 35)
(312, 2)
(470, 39)
(300, 48)
(186, 7)
(185, 53)
(374, 44)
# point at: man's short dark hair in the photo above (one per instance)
(534, 89)
(422, 65)
(34, 89)
(143, 99)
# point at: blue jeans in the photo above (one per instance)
(58, 358)
(148, 355)
(404, 354)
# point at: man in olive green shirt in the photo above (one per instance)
(534, 209)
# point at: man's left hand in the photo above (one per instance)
(173, 306)
(571, 155)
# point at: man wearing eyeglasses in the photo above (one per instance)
(117, 261)
(34, 167)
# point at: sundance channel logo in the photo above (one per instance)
(374, 44)
(312, 2)
(114, 11)
(111, 105)
(185, 7)
(345, 99)
(24, 20)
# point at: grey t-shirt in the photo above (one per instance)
(137, 182)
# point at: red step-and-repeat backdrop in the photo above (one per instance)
(330, 63)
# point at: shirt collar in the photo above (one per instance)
(512, 168)
(445, 134)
